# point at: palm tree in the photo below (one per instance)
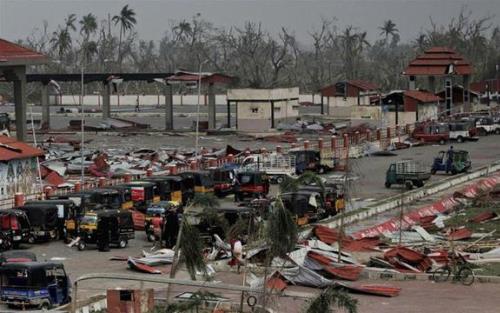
(88, 25)
(127, 20)
(182, 30)
(389, 28)
(291, 184)
(61, 41)
(332, 297)
(69, 22)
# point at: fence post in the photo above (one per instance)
(306, 144)
(320, 144)
(19, 199)
(102, 182)
(78, 186)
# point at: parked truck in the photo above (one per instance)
(275, 165)
(408, 173)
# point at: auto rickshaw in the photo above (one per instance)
(458, 163)
(251, 184)
(179, 192)
(44, 221)
(106, 227)
(125, 195)
(42, 285)
(328, 194)
(199, 181)
(223, 181)
(305, 206)
(157, 210)
(17, 256)
(67, 215)
(312, 160)
(162, 186)
(143, 194)
(15, 226)
(91, 199)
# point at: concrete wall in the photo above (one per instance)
(356, 112)
(403, 118)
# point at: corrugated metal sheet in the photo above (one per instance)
(11, 149)
(10, 51)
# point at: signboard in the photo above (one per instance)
(137, 194)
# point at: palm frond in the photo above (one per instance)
(281, 232)
(191, 250)
(330, 297)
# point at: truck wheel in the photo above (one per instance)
(418, 183)
(433, 171)
(454, 172)
(31, 240)
(123, 243)
(409, 185)
(45, 306)
(442, 141)
(279, 179)
(81, 245)
(387, 185)
(460, 139)
(482, 132)
(497, 131)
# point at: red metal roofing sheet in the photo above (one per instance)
(11, 149)
(434, 61)
(10, 51)
(422, 96)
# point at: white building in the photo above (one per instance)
(260, 110)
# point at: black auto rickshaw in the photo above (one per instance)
(143, 194)
(88, 200)
(15, 226)
(44, 221)
(223, 181)
(162, 186)
(251, 184)
(198, 181)
(313, 160)
(328, 194)
(179, 192)
(105, 228)
(67, 213)
(305, 206)
(125, 195)
(42, 285)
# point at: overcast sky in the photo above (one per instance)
(19, 17)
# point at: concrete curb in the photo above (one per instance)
(390, 275)
(407, 197)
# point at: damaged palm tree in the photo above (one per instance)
(281, 237)
(191, 250)
(291, 184)
(331, 297)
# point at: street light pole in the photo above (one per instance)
(198, 109)
(498, 85)
(82, 122)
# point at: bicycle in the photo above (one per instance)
(461, 271)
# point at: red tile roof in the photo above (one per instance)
(482, 86)
(10, 51)
(363, 84)
(422, 96)
(11, 149)
(434, 62)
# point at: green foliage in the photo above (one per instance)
(331, 297)
(291, 184)
(205, 201)
(281, 232)
(191, 250)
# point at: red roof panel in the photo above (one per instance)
(422, 96)
(434, 62)
(11, 149)
(10, 51)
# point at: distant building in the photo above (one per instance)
(351, 99)
(409, 106)
(18, 167)
(262, 109)
(457, 98)
(488, 91)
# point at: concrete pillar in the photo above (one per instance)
(106, 100)
(346, 140)
(127, 178)
(45, 107)
(78, 186)
(169, 108)
(333, 143)
(19, 199)
(212, 118)
(20, 103)
(320, 144)
(466, 94)
(379, 134)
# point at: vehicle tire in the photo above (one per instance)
(45, 306)
(123, 243)
(81, 245)
(497, 131)
(466, 276)
(442, 141)
(409, 185)
(441, 274)
(454, 172)
(482, 132)
(321, 170)
(151, 237)
(433, 171)
(387, 185)
(279, 179)
(31, 240)
(418, 183)
(460, 139)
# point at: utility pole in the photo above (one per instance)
(346, 198)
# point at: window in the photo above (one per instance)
(125, 295)
(255, 110)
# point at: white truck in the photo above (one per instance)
(487, 125)
(461, 131)
(276, 165)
